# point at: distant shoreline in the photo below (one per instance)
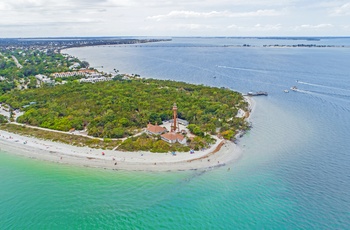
(67, 43)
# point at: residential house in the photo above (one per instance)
(44, 79)
(95, 79)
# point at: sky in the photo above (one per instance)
(59, 18)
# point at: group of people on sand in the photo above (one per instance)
(10, 137)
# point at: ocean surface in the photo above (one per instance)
(295, 168)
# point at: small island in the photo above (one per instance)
(114, 116)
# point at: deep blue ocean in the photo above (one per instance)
(295, 168)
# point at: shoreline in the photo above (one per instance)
(219, 154)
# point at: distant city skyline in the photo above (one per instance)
(53, 18)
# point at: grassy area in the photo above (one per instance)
(60, 137)
(152, 144)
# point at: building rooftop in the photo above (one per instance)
(155, 128)
(173, 136)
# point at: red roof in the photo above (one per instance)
(173, 136)
(155, 128)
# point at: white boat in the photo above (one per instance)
(294, 88)
(286, 91)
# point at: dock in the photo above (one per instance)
(260, 93)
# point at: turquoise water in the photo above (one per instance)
(294, 172)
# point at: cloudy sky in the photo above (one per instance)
(47, 18)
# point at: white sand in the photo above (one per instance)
(135, 161)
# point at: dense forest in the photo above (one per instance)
(120, 108)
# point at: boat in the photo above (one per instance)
(286, 91)
(294, 88)
(260, 93)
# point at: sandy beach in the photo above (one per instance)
(217, 155)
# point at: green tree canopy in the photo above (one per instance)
(121, 108)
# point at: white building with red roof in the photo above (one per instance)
(155, 129)
(173, 138)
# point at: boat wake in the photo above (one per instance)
(302, 91)
(343, 97)
(322, 86)
(244, 69)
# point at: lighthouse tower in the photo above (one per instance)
(174, 126)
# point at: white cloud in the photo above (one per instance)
(257, 27)
(319, 26)
(267, 27)
(212, 14)
(341, 10)
(183, 14)
(3, 6)
(24, 4)
(193, 26)
(173, 17)
(29, 6)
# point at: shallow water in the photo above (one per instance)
(294, 171)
